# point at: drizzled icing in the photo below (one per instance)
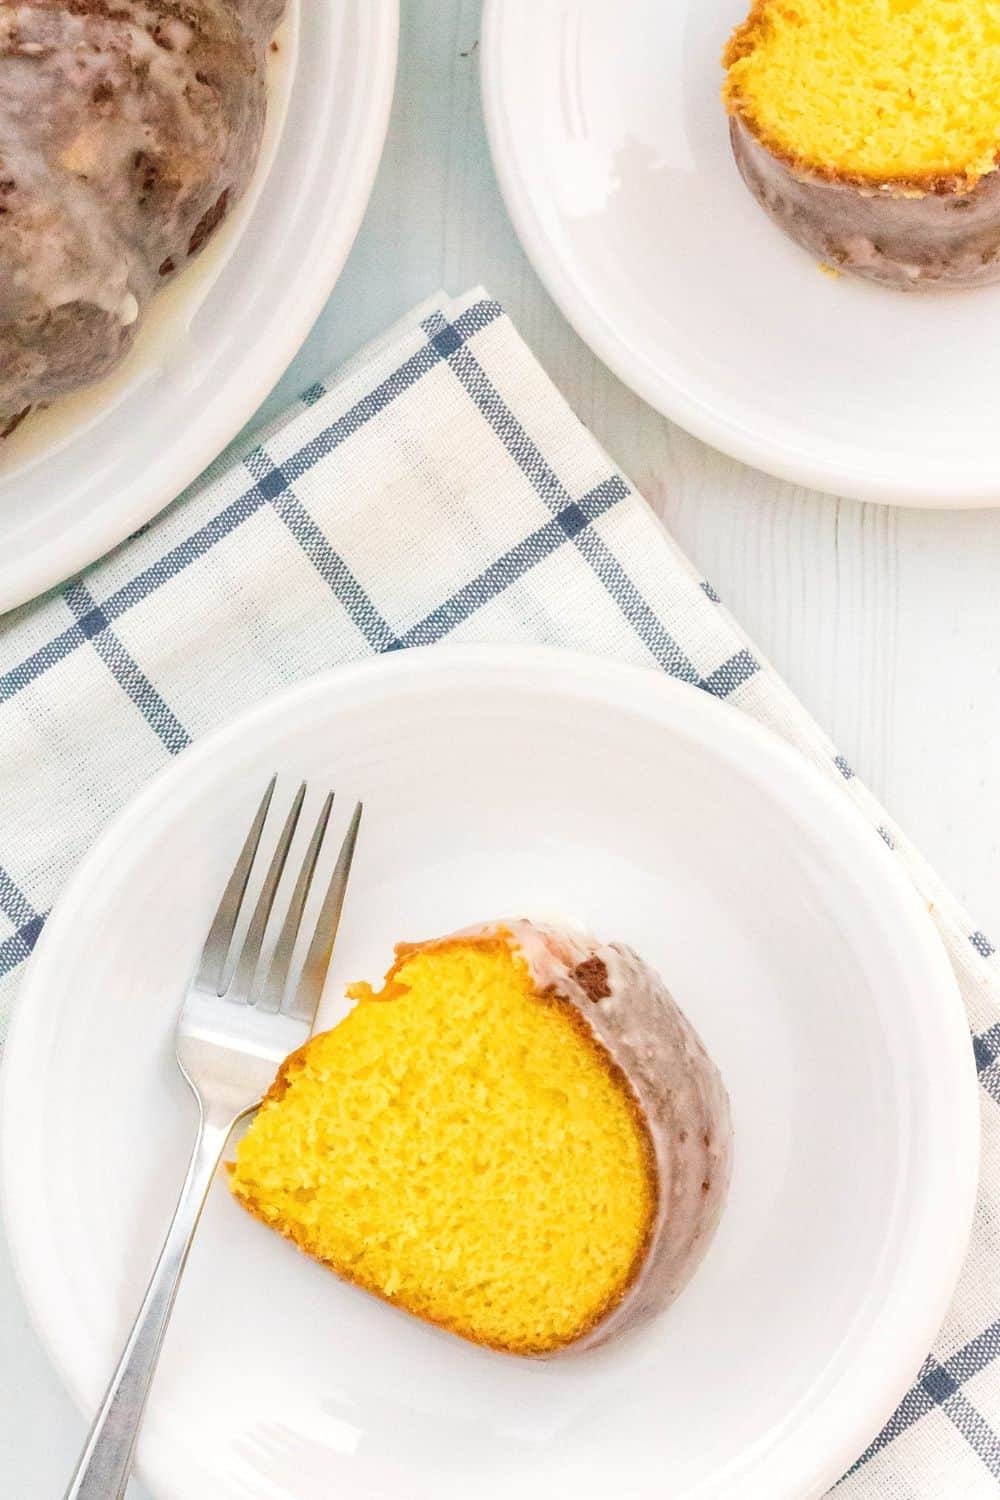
(122, 129)
(680, 1094)
(903, 239)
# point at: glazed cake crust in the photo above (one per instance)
(911, 239)
(128, 129)
(678, 1090)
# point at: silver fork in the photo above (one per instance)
(234, 1028)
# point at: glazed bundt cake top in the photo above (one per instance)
(461, 1149)
(128, 131)
(881, 92)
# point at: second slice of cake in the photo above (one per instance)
(869, 130)
(518, 1138)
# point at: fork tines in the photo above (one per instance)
(247, 985)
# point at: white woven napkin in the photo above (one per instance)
(439, 485)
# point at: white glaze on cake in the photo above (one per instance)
(127, 133)
(678, 1090)
(899, 236)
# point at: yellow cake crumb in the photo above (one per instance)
(463, 1147)
(887, 91)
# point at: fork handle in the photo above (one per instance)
(106, 1461)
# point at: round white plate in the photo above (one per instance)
(79, 478)
(612, 150)
(504, 781)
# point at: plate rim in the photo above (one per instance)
(335, 225)
(664, 393)
(735, 737)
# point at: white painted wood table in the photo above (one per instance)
(885, 622)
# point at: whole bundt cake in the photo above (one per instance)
(128, 129)
(518, 1138)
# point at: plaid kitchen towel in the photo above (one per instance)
(439, 486)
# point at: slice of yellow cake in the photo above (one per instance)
(518, 1138)
(870, 131)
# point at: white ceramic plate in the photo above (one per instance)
(79, 478)
(499, 781)
(612, 150)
